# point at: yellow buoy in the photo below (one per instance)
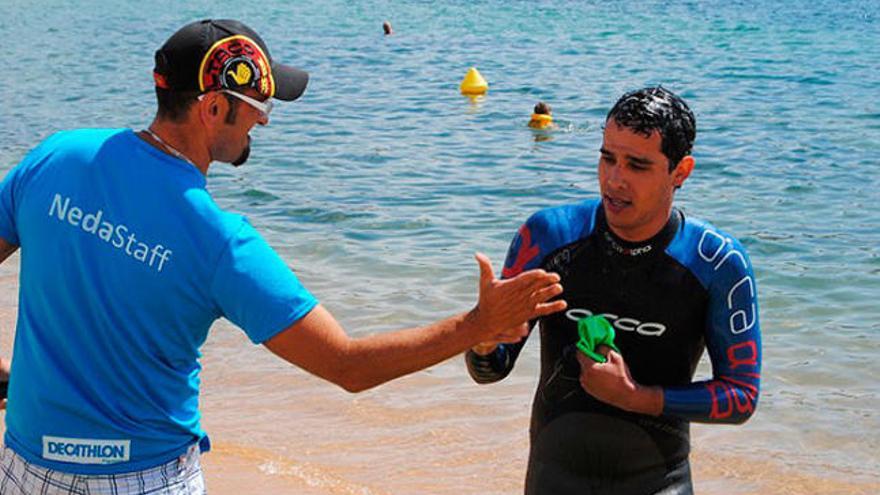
(473, 83)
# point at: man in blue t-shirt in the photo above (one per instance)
(669, 284)
(126, 261)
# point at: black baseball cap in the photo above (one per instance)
(215, 54)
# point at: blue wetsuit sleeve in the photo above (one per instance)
(523, 254)
(733, 340)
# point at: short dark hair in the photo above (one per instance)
(542, 108)
(173, 105)
(658, 109)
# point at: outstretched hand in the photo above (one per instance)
(506, 306)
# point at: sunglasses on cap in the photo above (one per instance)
(264, 107)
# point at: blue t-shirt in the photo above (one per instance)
(126, 261)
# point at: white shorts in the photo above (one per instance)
(182, 476)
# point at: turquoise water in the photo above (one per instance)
(382, 181)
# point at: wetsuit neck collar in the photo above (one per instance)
(626, 248)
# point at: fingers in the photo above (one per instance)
(536, 277)
(587, 363)
(614, 358)
(549, 292)
(504, 303)
(486, 273)
(603, 350)
(548, 308)
(538, 285)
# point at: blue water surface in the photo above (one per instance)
(379, 184)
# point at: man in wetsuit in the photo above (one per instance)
(670, 285)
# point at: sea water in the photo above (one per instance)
(380, 183)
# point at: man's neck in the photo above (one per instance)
(645, 243)
(174, 138)
(643, 233)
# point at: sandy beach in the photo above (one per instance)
(232, 470)
(277, 430)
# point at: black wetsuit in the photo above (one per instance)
(690, 287)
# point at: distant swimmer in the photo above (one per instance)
(386, 26)
(671, 285)
(127, 261)
(542, 116)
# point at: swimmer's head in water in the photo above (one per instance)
(386, 27)
(542, 108)
(658, 109)
(541, 118)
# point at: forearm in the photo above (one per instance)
(376, 359)
(318, 343)
(728, 399)
(731, 396)
(644, 399)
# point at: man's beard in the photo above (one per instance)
(245, 153)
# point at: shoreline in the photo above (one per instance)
(231, 469)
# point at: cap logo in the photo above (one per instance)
(239, 72)
(236, 62)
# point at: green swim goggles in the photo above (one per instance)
(595, 331)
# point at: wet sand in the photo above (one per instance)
(232, 470)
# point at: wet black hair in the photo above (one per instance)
(173, 105)
(658, 109)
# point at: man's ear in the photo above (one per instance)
(211, 108)
(682, 171)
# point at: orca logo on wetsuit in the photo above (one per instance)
(650, 329)
(739, 319)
